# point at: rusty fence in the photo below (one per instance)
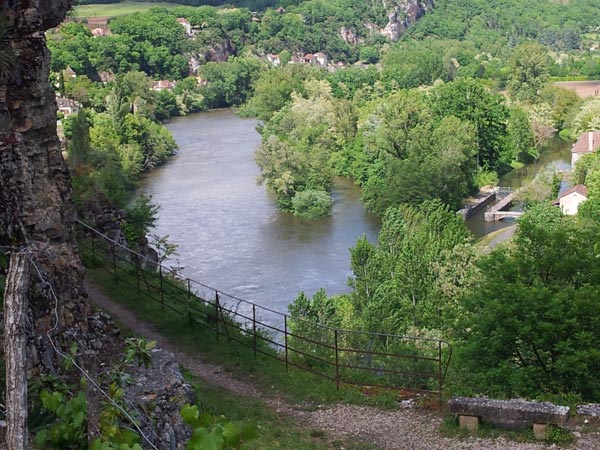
(369, 360)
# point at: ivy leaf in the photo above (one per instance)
(51, 401)
(78, 419)
(232, 434)
(41, 437)
(126, 436)
(203, 440)
(189, 414)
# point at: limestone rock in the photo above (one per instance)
(35, 206)
(402, 14)
(160, 391)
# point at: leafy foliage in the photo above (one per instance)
(213, 434)
(312, 204)
(535, 312)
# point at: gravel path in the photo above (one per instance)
(401, 429)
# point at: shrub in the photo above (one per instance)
(312, 204)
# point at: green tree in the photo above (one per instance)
(535, 311)
(312, 204)
(528, 71)
(394, 283)
(79, 148)
(520, 136)
(473, 101)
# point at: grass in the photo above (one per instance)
(117, 9)
(269, 374)
(273, 430)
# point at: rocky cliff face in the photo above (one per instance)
(402, 14)
(36, 213)
(35, 207)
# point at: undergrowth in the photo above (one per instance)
(269, 374)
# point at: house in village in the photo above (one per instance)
(570, 199)
(98, 26)
(320, 59)
(66, 106)
(69, 73)
(273, 59)
(99, 32)
(163, 85)
(588, 142)
(317, 59)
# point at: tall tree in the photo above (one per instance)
(528, 71)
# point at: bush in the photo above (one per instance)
(312, 204)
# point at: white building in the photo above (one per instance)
(570, 199)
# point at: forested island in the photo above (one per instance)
(422, 104)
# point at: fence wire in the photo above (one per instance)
(364, 359)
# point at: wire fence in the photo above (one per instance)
(350, 357)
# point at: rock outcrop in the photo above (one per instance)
(37, 214)
(160, 391)
(402, 14)
(35, 207)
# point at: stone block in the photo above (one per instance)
(539, 431)
(512, 414)
(469, 423)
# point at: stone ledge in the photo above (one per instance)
(510, 413)
(589, 409)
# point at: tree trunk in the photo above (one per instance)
(15, 340)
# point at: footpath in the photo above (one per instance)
(405, 428)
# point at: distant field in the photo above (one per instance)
(117, 9)
(583, 89)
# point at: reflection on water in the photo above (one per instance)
(556, 154)
(229, 232)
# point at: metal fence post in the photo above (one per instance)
(137, 273)
(189, 302)
(114, 259)
(162, 298)
(217, 314)
(337, 360)
(286, 342)
(440, 371)
(254, 327)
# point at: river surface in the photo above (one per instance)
(229, 232)
(232, 237)
(554, 155)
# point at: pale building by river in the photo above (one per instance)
(570, 200)
(588, 142)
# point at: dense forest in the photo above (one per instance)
(419, 121)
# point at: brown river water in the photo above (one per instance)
(231, 235)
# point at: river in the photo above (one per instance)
(555, 154)
(229, 232)
(228, 229)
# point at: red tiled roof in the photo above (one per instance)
(580, 189)
(586, 145)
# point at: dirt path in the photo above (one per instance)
(401, 429)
